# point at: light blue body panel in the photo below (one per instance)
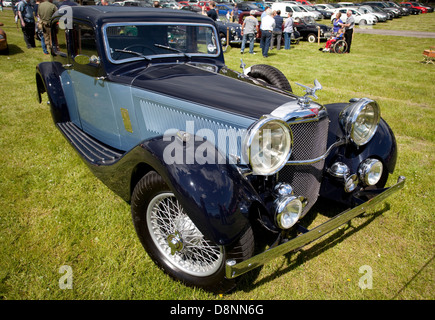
(95, 106)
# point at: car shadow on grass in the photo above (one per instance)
(13, 49)
(247, 282)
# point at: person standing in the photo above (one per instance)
(349, 25)
(338, 24)
(288, 31)
(27, 21)
(277, 30)
(267, 25)
(212, 12)
(45, 12)
(249, 27)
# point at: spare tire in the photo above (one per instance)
(271, 75)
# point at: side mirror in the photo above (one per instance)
(84, 59)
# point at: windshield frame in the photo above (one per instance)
(170, 54)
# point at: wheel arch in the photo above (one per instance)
(48, 80)
(216, 196)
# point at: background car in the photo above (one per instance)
(416, 5)
(379, 14)
(309, 29)
(314, 11)
(294, 9)
(360, 18)
(230, 33)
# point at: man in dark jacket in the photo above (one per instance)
(277, 31)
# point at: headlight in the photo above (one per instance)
(288, 212)
(370, 171)
(360, 120)
(268, 145)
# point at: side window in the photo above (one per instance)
(59, 40)
(84, 42)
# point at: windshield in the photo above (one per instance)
(296, 9)
(144, 41)
(309, 20)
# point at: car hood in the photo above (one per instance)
(214, 90)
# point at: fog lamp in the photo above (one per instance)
(288, 211)
(351, 183)
(370, 171)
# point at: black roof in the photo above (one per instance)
(101, 14)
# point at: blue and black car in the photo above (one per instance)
(213, 161)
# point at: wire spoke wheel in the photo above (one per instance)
(179, 240)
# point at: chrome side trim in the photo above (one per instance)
(322, 157)
(236, 269)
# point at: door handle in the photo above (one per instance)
(68, 65)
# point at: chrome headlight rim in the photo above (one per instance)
(285, 218)
(349, 120)
(252, 133)
(370, 171)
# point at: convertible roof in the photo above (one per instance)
(102, 14)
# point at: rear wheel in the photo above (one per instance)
(175, 243)
(340, 46)
(271, 75)
(311, 38)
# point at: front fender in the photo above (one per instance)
(383, 147)
(48, 80)
(215, 195)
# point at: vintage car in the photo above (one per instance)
(230, 33)
(309, 30)
(213, 161)
(4, 48)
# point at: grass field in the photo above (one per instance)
(54, 212)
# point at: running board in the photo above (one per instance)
(89, 148)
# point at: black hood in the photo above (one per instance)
(189, 83)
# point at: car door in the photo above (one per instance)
(92, 94)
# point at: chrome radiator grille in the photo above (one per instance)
(310, 140)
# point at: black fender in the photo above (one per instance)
(48, 80)
(382, 146)
(216, 196)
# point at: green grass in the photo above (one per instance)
(54, 212)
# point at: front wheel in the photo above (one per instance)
(174, 242)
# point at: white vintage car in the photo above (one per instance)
(360, 18)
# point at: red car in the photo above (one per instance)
(3, 41)
(415, 5)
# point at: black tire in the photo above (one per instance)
(271, 75)
(312, 38)
(152, 201)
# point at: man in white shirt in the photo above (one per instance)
(267, 25)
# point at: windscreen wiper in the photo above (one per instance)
(133, 52)
(172, 49)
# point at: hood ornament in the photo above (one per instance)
(305, 100)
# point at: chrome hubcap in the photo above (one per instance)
(179, 240)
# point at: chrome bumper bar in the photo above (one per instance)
(236, 269)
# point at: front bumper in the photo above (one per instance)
(236, 269)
